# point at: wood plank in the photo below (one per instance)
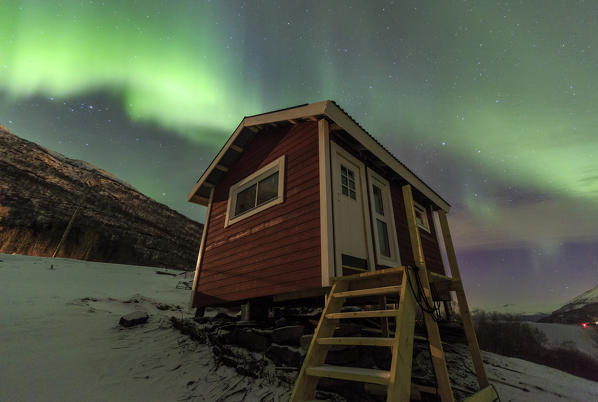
(366, 275)
(326, 224)
(372, 376)
(302, 294)
(200, 254)
(488, 394)
(266, 274)
(363, 314)
(468, 327)
(438, 360)
(357, 341)
(236, 148)
(222, 168)
(305, 386)
(387, 290)
(401, 363)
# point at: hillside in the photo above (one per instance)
(84, 354)
(40, 189)
(583, 308)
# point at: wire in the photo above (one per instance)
(496, 392)
(432, 309)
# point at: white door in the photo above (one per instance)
(352, 236)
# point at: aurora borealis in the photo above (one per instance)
(492, 104)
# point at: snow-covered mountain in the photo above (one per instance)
(583, 308)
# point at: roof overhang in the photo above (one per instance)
(249, 126)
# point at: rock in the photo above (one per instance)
(289, 335)
(305, 341)
(134, 318)
(348, 329)
(189, 327)
(285, 355)
(344, 357)
(248, 339)
(40, 189)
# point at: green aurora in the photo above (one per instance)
(500, 98)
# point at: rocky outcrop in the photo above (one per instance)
(40, 189)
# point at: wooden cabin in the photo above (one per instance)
(299, 196)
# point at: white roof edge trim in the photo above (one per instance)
(312, 109)
(216, 160)
(329, 109)
(344, 121)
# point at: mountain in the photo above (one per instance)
(41, 189)
(583, 308)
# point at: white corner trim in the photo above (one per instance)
(202, 244)
(326, 218)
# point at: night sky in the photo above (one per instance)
(493, 104)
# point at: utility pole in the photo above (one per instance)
(87, 181)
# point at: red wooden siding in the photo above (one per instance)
(429, 241)
(274, 251)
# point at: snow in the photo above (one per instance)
(572, 336)
(57, 347)
(60, 341)
(530, 308)
(590, 296)
(520, 380)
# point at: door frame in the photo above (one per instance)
(335, 150)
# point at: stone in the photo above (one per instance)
(289, 335)
(305, 341)
(134, 318)
(285, 355)
(248, 339)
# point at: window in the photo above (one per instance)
(256, 192)
(421, 217)
(385, 234)
(348, 182)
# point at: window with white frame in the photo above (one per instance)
(258, 191)
(385, 233)
(421, 217)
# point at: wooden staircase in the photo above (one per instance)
(399, 283)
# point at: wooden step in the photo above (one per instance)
(386, 290)
(350, 373)
(357, 341)
(370, 274)
(363, 314)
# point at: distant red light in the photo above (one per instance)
(584, 324)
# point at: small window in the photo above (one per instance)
(348, 182)
(256, 192)
(385, 234)
(421, 217)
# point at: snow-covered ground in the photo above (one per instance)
(60, 341)
(569, 336)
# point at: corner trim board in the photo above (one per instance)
(326, 221)
(202, 244)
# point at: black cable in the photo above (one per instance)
(495, 391)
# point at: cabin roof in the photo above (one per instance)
(251, 125)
